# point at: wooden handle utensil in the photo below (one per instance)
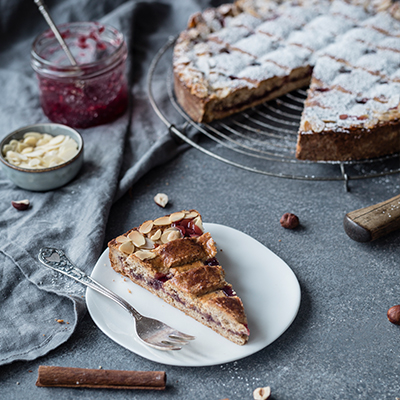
(373, 222)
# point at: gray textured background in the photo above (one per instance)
(340, 346)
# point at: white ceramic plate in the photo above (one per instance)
(267, 286)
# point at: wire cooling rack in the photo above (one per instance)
(261, 139)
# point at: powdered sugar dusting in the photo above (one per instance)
(347, 10)
(256, 45)
(310, 39)
(288, 57)
(262, 72)
(230, 35)
(279, 28)
(346, 51)
(355, 55)
(244, 20)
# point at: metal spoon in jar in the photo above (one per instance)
(43, 9)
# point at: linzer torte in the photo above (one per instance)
(348, 52)
(175, 259)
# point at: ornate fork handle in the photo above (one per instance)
(58, 261)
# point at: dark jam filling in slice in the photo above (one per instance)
(211, 262)
(228, 291)
(162, 277)
(188, 228)
(159, 280)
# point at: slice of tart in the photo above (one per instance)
(173, 258)
(352, 110)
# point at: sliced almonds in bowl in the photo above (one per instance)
(40, 150)
(42, 157)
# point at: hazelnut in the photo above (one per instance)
(393, 315)
(161, 199)
(262, 393)
(289, 221)
(21, 205)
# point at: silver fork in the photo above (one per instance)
(150, 331)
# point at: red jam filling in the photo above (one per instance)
(212, 261)
(188, 228)
(98, 94)
(98, 101)
(161, 277)
(228, 291)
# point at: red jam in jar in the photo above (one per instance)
(94, 91)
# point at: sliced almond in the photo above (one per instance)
(146, 227)
(198, 222)
(170, 229)
(14, 144)
(27, 150)
(55, 161)
(68, 154)
(164, 237)
(306, 126)
(156, 235)
(137, 238)
(384, 117)
(122, 239)
(396, 13)
(144, 254)
(35, 135)
(7, 147)
(162, 221)
(170, 234)
(36, 153)
(148, 245)
(177, 216)
(317, 125)
(371, 123)
(56, 140)
(174, 235)
(34, 162)
(191, 214)
(127, 247)
(21, 146)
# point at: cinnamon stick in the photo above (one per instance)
(100, 378)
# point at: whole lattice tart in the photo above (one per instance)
(239, 55)
(175, 259)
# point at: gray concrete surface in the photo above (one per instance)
(340, 346)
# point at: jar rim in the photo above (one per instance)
(41, 65)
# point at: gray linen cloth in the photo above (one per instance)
(73, 217)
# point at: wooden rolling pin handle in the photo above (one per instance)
(373, 222)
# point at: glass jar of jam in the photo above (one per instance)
(94, 91)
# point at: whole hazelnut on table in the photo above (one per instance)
(393, 315)
(289, 221)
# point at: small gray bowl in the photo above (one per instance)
(44, 179)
